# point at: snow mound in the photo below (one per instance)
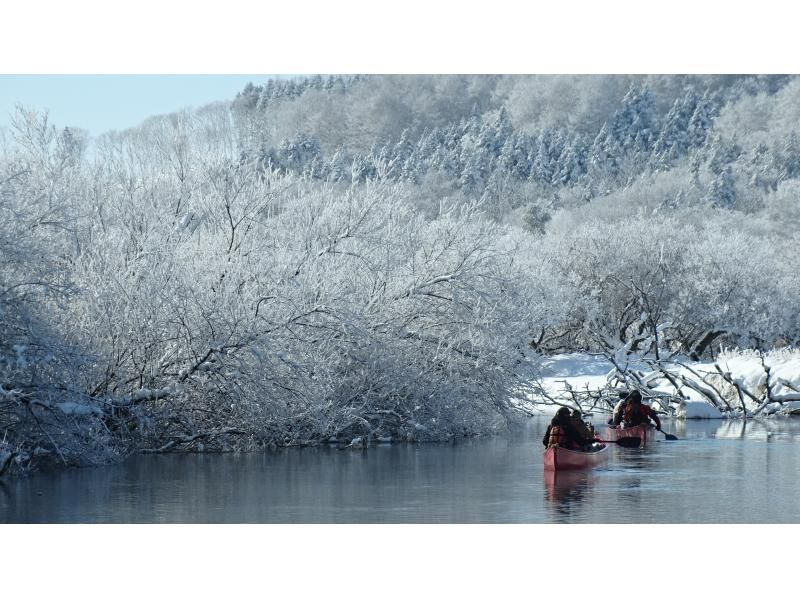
(565, 377)
(70, 408)
(697, 409)
(574, 364)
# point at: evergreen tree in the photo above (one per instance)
(412, 169)
(316, 82)
(475, 171)
(399, 155)
(360, 169)
(263, 101)
(604, 155)
(764, 169)
(545, 162)
(696, 159)
(470, 127)
(296, 153)
(721, 152)
(513, 157)
(452, 138)
(317, 168)
(248, 97)
(722, 192)
(444, 161)
(425, 148)
(571, 163)
(339, 168)
(673, 140)
(493, 135)
(789, 158)
(633, 127)
(379, 158)
(701, 121)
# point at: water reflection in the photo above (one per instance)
(719, 472)
(765, 430)
(566, 491)
(696, 428)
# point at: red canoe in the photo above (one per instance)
(643, 431)
(557, 458)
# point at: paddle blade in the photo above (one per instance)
(669, 436)
(629, 442)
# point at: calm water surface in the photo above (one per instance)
(720, 472)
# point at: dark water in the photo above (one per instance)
(720, 472)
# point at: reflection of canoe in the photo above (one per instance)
(565, 480)
(566, 489)
(643, 431)
(557, 458)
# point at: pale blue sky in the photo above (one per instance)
(99, 103)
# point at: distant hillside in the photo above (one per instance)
(530, 142)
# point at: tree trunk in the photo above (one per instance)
(705, 341)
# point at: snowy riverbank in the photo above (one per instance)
(767, 383)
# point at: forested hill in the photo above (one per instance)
(530, 144)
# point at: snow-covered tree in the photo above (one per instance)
(297, 153)
(571, 165)
(604, 156)
(339, 168)
(514, 156)
(721, 152)
(789, 157)
(722, 192)
(634, 127)
(701, 121)
(673, 141)
(399, 155)
(477, 167)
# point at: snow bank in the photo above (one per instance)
(559, 374)
(746, 367)
(574, 371)
(697, 409)
(69, 408)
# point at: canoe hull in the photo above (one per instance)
(561, 459)
(643, 431)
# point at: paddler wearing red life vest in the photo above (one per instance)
(619, 409)
(561, 432)
(637, 413)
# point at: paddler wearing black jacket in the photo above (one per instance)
(585, 432)
(561, 432)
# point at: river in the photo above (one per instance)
(718, 472)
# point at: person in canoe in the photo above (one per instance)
(561, 432)
(619, 409)
(583, 429)
(637, 413)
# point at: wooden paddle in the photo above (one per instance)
(627, 442)
(668, 436)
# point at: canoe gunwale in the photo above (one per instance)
(558, 458)
(644, 431)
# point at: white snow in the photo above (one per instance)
(578, 371)
(582, 372)
(697, 409)
(70, 408)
